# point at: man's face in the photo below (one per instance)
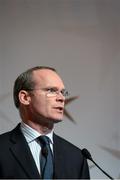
(44, 102)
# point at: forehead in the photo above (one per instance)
(46, 77)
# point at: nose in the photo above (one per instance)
(60, 97)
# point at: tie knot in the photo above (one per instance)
(44, 140)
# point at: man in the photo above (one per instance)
(39, 94)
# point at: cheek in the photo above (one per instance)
(38, 104)
(43, 106)
(48, 107)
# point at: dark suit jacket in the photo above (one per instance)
(16, 161)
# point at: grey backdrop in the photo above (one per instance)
(81, 39)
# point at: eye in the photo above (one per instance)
(51, 90)
(65, 92)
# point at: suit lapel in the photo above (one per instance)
(58, 158)
(22, 153)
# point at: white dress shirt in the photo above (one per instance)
(31, 136)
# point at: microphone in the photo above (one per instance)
(87, 155)
(44, 151)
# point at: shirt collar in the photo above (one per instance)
(31, 134)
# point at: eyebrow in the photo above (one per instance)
(55, 87)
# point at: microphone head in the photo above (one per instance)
(86, 154)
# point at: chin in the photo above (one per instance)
(57, 119)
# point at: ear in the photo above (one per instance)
(24, 97)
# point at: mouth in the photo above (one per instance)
(59, 108)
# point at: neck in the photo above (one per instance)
(40, 124)
(41, 128)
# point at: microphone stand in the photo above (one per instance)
(102, 169)
(87, 155)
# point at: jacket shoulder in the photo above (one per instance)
(4, 138)
(65, 144)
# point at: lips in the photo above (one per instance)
(60, 108)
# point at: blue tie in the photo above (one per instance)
(46, 161)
